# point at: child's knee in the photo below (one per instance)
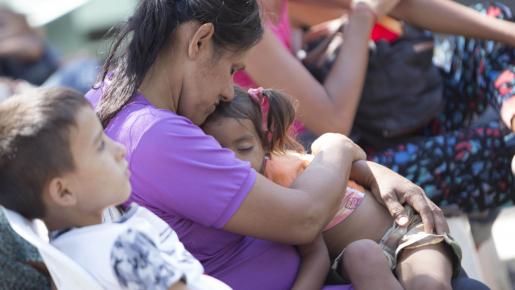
(362, 254)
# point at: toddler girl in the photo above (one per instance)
(364, 242)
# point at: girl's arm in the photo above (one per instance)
(314, 266)
(298, 214)
(179, 286)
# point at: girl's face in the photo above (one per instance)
(240, 136)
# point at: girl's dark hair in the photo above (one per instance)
(277, 136)
(35, 145)
(138, 42)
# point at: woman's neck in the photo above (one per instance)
(162, 86)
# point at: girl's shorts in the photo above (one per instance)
(397, 238)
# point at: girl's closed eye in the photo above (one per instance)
(245, 148)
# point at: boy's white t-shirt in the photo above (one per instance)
(140, 251)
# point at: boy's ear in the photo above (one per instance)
(200, 40)
(59, 194)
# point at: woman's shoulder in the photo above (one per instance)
(140, 122)
(139, 111)
(142, 116)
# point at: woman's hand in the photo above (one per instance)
(333, 140)
(393, 191)
(377, 7)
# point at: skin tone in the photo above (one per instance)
(240, 136)
(331, 106)
(365, 264)
(72, 200)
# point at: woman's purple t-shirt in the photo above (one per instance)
(187, 179)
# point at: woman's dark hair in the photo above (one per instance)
(35, 145)
(138, 42)
(277, 136)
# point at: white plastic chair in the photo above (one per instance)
(65, 272)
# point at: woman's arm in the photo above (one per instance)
(331, 106)
(328, 107)
(392, 190)
(314, 266)
(453, 18)
(298, 214)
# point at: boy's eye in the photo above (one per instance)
(102, 145)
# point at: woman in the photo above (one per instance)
(331, 106)
(177, 66)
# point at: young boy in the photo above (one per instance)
(57, 164)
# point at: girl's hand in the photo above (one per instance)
(377, 7)
(393, 190)
(330, 141)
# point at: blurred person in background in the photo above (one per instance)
(26, 58)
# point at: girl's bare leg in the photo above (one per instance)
(425, 268)
(365, 265)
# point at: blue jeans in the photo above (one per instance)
(463, 282)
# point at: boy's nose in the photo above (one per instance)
(229, 94)
(120, 150)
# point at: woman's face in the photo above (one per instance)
(209, 82)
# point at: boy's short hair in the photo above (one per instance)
(35, 145)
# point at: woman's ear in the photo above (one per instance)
(201, 39)
(57, 192)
